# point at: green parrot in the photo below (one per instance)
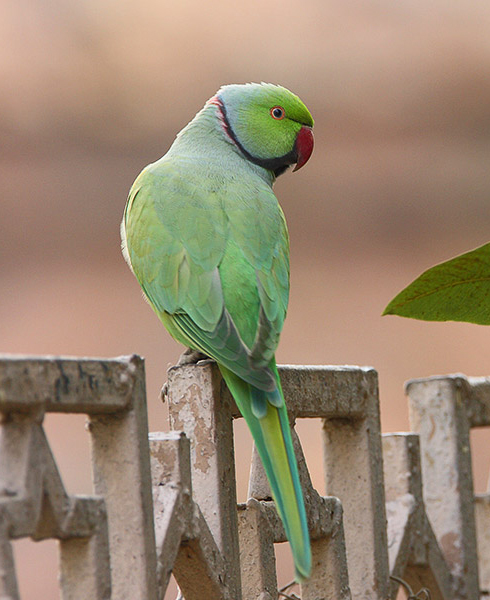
(207, 241)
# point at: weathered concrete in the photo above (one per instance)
(66, 384)
(97, 535)
(354, 473)
(179, 513)
(439, 409)
(257, 558)
(318, 391)
(84, 561)
(414, 553)
(120, 454)
(197, 407)
(185, 544)
(482, 517)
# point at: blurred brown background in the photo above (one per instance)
(91, 91)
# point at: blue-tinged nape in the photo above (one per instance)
(266, 416)
(207, 150)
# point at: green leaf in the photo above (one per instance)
(455, 290)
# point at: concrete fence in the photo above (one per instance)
(401, 508)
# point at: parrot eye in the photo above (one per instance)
(277, 112)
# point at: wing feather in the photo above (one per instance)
(178, 234)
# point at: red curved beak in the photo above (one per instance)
(303, 146)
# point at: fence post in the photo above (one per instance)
(354, 473)
(258, 561)
(33, 500)
(85, 561)
(438, 413)
(482, 518)
(8, 580)
(121, 472)
(198, 407)
(415, 555)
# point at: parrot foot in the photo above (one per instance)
(191, 357)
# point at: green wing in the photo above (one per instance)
(212, 257)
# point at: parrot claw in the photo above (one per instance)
(205, 361)
(191, 357)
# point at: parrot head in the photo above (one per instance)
(269, 125)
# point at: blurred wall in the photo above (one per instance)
(92, 91)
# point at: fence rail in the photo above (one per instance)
(400, 506)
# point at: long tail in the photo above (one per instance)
(266, 416)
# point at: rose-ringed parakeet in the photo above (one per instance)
(207, 240)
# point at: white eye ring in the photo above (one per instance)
(277, 113)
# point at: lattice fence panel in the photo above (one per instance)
(400, 506)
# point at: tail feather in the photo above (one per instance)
(272, 436)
